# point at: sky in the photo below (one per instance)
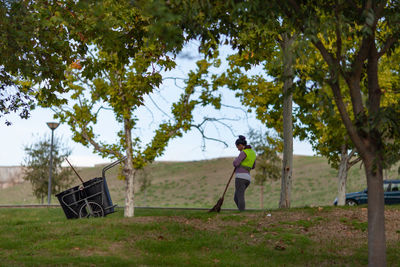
(191, 146)
(186, 148)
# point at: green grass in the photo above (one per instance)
(160, 237)
(356, 224)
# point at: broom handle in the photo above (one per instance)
(74, 170)
(228, 182)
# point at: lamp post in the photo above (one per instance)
(52, 126)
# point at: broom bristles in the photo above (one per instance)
(217, 207)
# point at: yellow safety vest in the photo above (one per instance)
(248, 162)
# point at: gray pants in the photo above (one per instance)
(240, 188)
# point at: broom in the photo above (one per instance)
(217, 207)
(74, 170)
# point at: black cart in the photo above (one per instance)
(90, 199)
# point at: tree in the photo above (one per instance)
(37, 163)
(268, 161)
(267, 42)
(123, 90)
(288, 74)
(373, 28)
(285, 58)
(322, 123)
(118, 75)
(368, 123)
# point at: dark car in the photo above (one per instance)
(391, 194)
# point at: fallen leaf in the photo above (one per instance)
(216, 260)
(279, 247)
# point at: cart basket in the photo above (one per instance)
(70, 202)
(94, 191)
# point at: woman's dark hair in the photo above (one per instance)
(241, 140)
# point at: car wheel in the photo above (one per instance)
(351, 202)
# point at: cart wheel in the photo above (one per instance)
(91, 209)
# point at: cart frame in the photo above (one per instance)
(88, 204)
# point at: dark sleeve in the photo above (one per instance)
(239, 159)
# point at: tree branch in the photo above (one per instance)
(388, 44)
(238, 108)
(201, 130)
(162, 111)
(81, 130)
(352, 153)
(354, 77)
(338, 36)
(379, 9)
(374, 91)
(99, 147)
(351, 129)
(355, 161)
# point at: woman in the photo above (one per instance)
(245, 162)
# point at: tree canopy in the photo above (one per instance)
(351, 51)
(37, 164)
(35, 47)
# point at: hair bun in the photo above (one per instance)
(241, 140)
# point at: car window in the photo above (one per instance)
(385, 187)
(395, 187)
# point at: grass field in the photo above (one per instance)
(323, 236)
(314, 233)
(201, 183)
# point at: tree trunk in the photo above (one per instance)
(262, 196)
(342, 177)
(368, 145)
(373, 160)
(376, 211)
(129, 193)
(287, 163)
(145, 197)
(129, 172)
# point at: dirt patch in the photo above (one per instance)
(335, 226)
(318, 224)
(325, 223)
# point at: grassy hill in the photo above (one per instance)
(201, 183)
